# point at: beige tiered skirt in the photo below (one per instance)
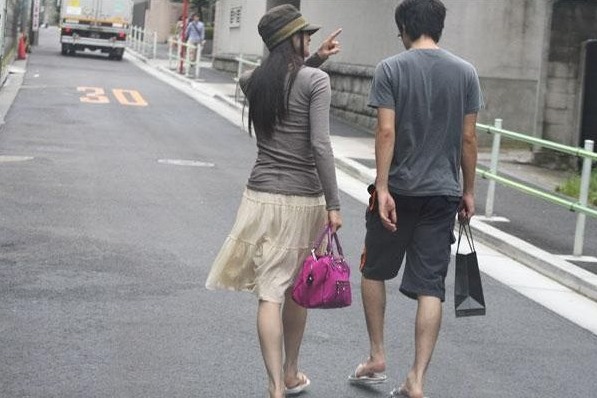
(270, 239)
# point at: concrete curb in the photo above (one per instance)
(547, 264)
(195, 85)
(11, 87)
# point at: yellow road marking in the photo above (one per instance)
(94, 95)
(129, 97)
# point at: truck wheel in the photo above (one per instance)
(64, 50)
(117, 54)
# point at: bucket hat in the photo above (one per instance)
(281, 22)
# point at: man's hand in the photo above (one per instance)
(330, 46)
(387, 209)
(466, 209)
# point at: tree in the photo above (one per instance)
(200, 6)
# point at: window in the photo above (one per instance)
(235, 14)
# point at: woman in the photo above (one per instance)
(291, 193)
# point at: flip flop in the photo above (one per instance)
(399, 392)
(299, 388)
(367, 379)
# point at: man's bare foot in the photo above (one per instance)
(369, 372)
(369, 368)
(409, 389)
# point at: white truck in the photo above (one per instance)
(95, 25)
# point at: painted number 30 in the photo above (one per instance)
(97, 95)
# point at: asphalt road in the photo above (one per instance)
(104, 251)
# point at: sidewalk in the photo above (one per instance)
(355, 155)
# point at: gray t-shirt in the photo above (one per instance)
(298, 158)
(431, 90)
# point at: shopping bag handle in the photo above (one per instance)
(468, 232)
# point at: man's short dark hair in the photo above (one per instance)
(421, 17)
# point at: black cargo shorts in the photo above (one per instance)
(425, 232)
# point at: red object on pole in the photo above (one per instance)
(22, 48)
(183, 32)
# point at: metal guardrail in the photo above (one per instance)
(580, 206)
(238, 97)
(184, 56)
(241, 62)
(144, 41)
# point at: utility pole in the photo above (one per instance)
(183, 32)
(35, 14)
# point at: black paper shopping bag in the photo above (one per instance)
(468, 289)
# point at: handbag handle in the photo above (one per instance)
(332, 237)
(468, 233)
(335, 238)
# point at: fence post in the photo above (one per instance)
(170, 45)
(188, 59)
(495, 154)
(135, 38)
(197, 59)
(581, 218)
(240, 66)
(144, 43)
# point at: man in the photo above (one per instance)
(427, 101)
(195, 34)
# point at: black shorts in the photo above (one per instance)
(425, 233)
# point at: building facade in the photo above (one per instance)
(535, 58)
(15, 18)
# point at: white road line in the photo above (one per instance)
(492, 219)
(550, 294)
(182, 162)
(6, 158)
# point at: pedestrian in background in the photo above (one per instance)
(195, 35)
(427, 101)
(291, 193)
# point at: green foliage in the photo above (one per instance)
(571, 187)
(209, 33)
(198, 4)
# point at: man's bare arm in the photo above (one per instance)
(468, 164)
(385, 138)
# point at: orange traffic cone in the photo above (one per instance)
(22, 48)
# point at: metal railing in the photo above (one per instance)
(242, 62)
(580, 206)
(238, 97)
(184, 56)
(143, 41)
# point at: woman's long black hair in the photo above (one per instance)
(269, 86)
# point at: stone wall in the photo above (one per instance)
(350, 92)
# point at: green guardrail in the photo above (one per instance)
(580, 206)
(574, 151)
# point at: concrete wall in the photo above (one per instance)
(508, 41)
(231, 40)
(572, 24)
(161, 17)
(503, 39)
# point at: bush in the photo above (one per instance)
(571, 187)
(209, 33)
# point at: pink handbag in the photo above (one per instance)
(324, 281)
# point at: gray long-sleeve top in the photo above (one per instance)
(298, 158)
